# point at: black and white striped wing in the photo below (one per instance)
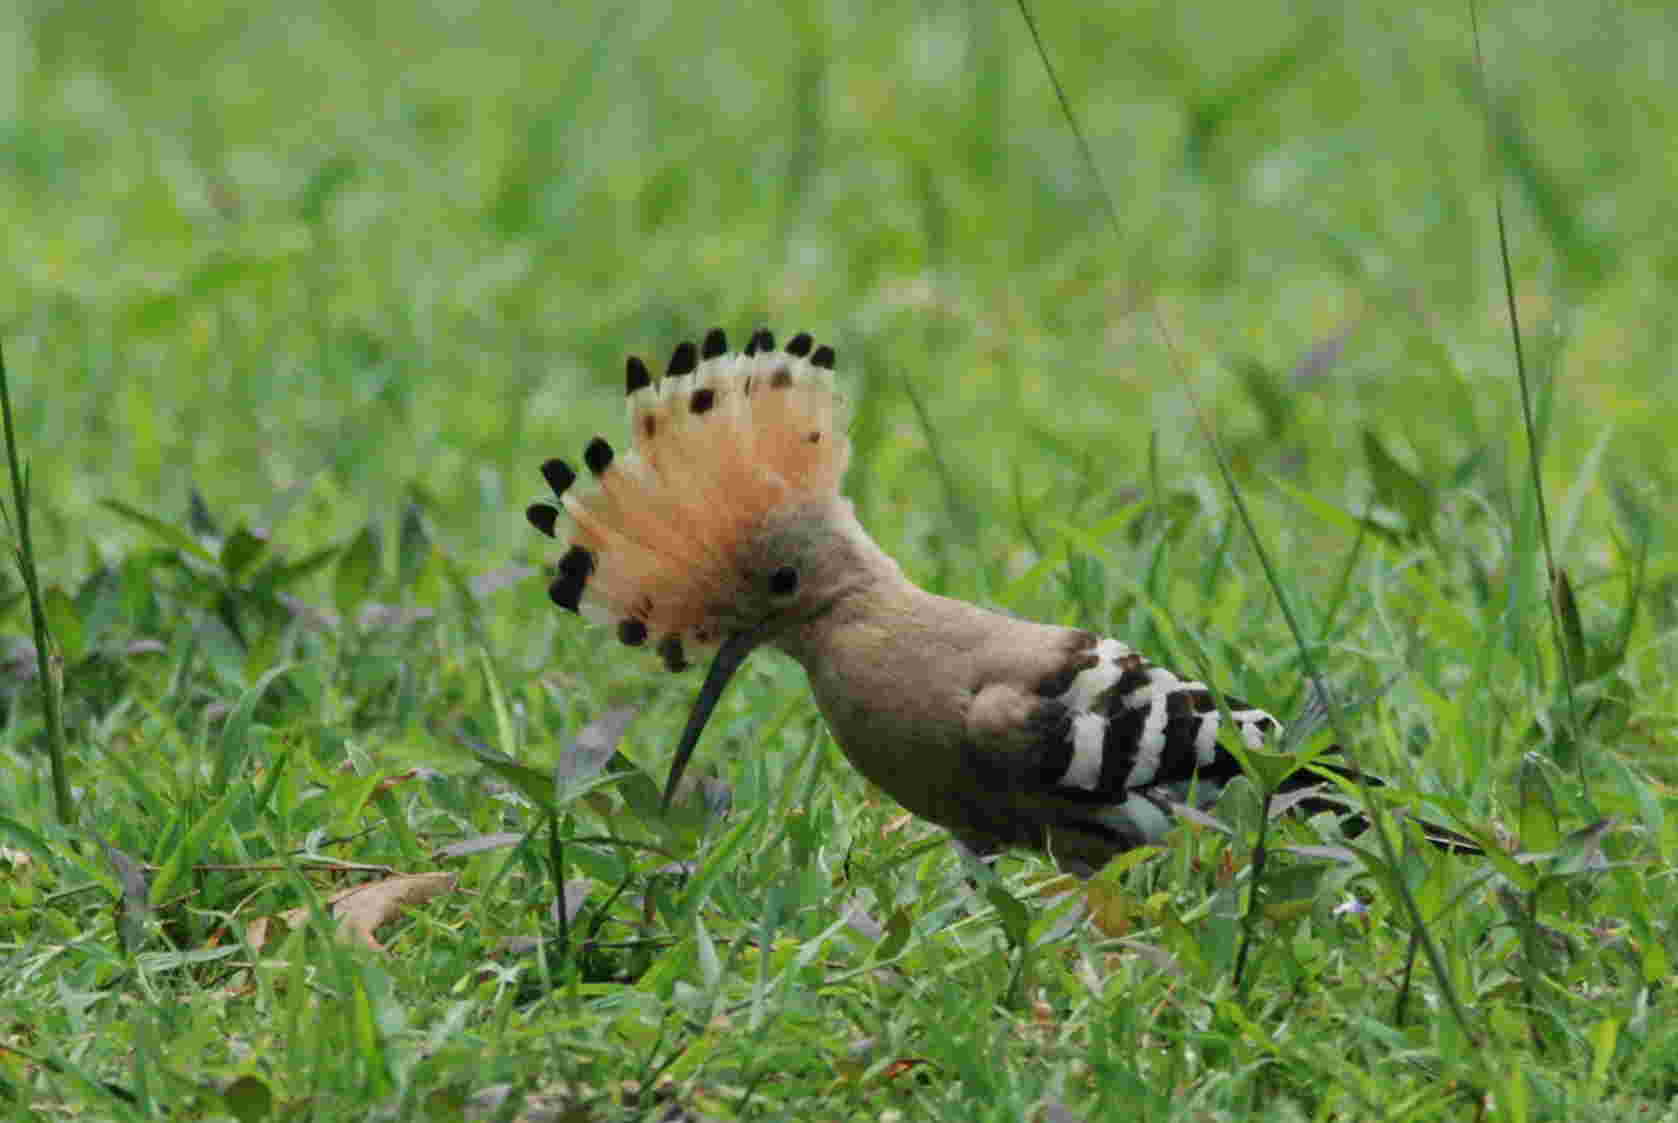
(1123, 740)
(1131, 725)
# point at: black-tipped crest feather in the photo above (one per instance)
(560, 476)
(665, 520)
(543, 516)
(683, 360)
(566, 590)
(598, 456)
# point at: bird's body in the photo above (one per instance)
(1047, 738)
(725, 526)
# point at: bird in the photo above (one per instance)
(723, 527)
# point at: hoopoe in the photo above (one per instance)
(723, 526)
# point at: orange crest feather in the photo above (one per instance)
(718, 444)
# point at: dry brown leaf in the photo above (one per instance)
(897, 824)
(361, 909)
(262, 931)
(390, 782)
(1055, 884)
(1111, 908)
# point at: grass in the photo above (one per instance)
(297, 302)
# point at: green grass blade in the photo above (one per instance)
(47, 668)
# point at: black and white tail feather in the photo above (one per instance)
(1137, 743)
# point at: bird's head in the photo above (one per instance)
(722, 526)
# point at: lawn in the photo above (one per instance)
(297, 300)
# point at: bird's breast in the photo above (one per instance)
(917, 694)
(900, 731)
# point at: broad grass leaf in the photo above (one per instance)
(1587, 257)
(1266, 391)
(1572, 628)
(208, 825)
(899, 926)
(480, 844)
(532, 783)
(1210, 111)
(710, 964)
(589, 752)
(413, 546)
(240, 550)
(1397, 487)
(358, 571)
(719, 862)
(1268, 770)
(281, 574)
(162, 531)
(1011, 914)
(64, 623)
(1335, 517)
(234, 742)
(1540, 819)
(506, 730)
(1241, 805)
(24, 835)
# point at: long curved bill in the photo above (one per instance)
(729, 656)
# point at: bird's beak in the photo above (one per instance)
(730, 655)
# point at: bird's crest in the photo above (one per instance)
(719, 443)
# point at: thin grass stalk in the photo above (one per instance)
(24, 553)
(1534, 452)
(556, 866)
(1403, 998)
(1249, 918)
(955, 503)
(1389, 851)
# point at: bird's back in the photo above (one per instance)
(1012, 733)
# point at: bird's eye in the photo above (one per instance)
(783, 581)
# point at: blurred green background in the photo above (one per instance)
(310, 258)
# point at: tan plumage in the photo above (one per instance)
(724, 526)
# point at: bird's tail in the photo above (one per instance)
(1313, 792)
(1148, 813)
(718, 443)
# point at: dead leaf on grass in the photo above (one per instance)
(360, 909)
